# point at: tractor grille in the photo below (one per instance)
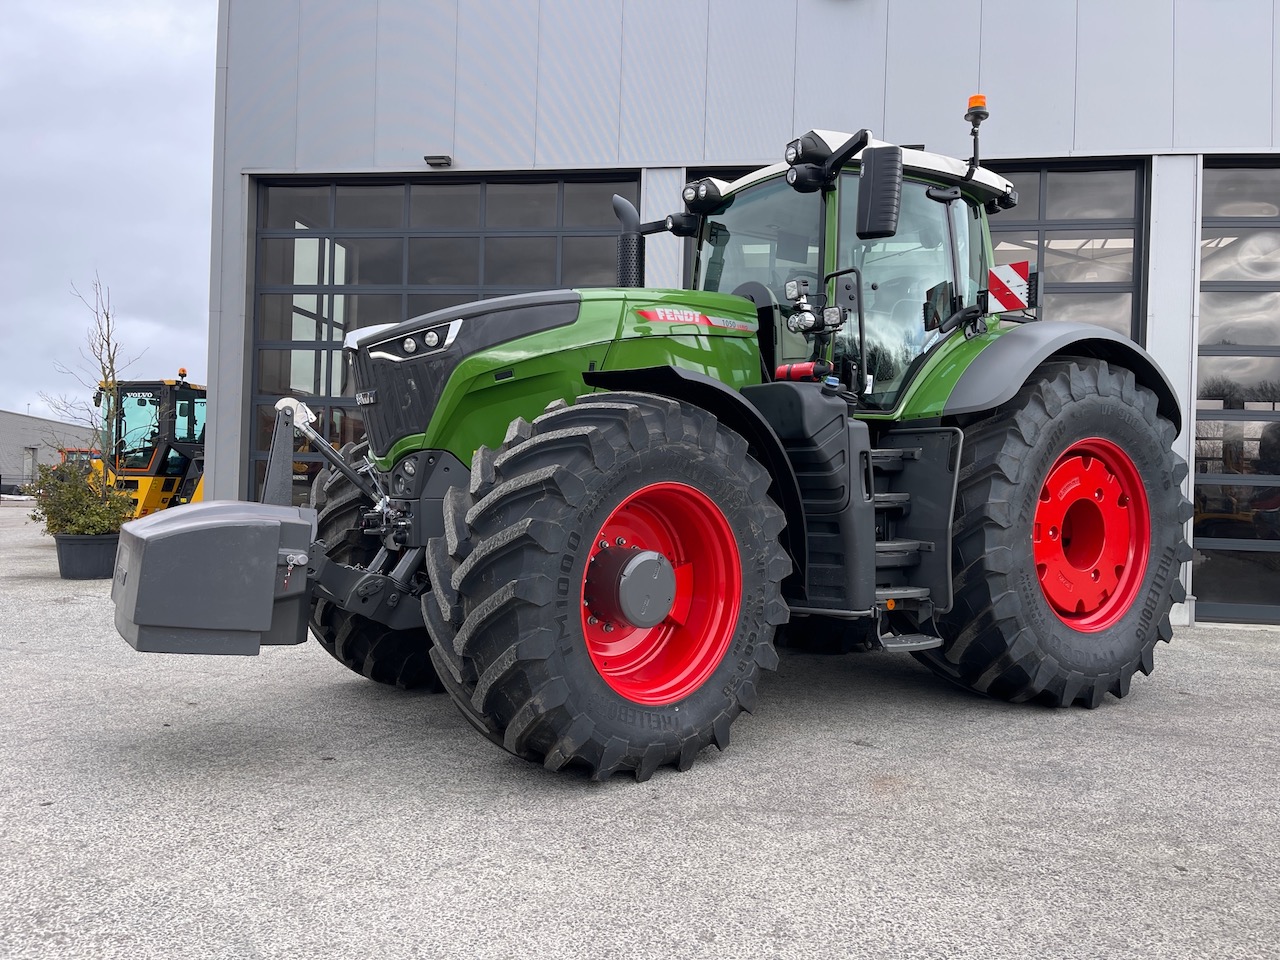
(398, 392)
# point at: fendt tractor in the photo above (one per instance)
(157, 431)
(586, 513)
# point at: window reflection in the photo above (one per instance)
(1242, 192)
(1237, 380)
(1240, 318)
(1089, 195)
(1232, 254)
(1111, 310)
(1095, 257)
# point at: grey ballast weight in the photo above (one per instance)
(216, 577)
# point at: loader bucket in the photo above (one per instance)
(215, 577)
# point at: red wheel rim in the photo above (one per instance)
(667, 662)
(1091, 535)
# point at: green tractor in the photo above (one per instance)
(587, 514)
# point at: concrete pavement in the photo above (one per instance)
(280, 806)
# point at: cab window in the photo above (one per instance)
(907, 286)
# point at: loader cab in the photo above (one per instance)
(158, 439)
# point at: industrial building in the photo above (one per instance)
(376, 159)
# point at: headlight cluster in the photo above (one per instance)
(701, 196)
(417, 343)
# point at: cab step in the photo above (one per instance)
(899, 553)
(900, 593)
(907, 642)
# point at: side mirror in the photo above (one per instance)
(879, 193)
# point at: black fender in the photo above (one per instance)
(730, 408)
(999, 371)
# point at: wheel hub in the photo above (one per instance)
(661, 593)
(632, 588)
(1091, 535)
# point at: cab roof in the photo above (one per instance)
(985, 184)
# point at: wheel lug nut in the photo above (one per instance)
(621, 541)
(593, 620)
(604, 544)
(608, 628)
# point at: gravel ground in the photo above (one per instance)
(280, 806)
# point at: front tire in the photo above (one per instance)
(617, 586)
(1068, 540)
(398, 658)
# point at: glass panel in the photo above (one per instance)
(1099, 256)
(346, 425)
(292, 262)
(351, 312)
(1230, 254)
(300, 372)
(360, 260)
(370, 206)
(1111, 310)
(1092, 195)
(512, 260)
(1027, 184)
(521, 205)
(289, 317)
(1012, 246)
(420, 303)
(440, 261)
(767, 233)
(296, 208)
(1236, 576)
(907, 281)
(264, 427)
(1240, 318)
(444, 205)
(189, 423)
(1241, 192)
(590, 262)
(1235, 380)
(1238, 446)
(591, 204)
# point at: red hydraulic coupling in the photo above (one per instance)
(810, 370)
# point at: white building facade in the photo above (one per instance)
(1143, 137)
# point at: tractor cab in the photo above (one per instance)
(860, 258)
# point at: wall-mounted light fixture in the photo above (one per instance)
(439, 160)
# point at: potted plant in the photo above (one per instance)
(82, 516)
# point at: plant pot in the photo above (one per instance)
(86, 556)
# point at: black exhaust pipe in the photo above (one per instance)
(630, 243)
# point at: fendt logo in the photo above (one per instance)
(677, 315)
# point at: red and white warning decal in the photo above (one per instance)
(678, 315)
(1007, 285)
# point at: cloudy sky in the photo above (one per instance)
(106, 121)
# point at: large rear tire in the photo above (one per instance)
(611, 594)
(396, 657)
(1068, 540)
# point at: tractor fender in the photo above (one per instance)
(998, 372)
(730, 408)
